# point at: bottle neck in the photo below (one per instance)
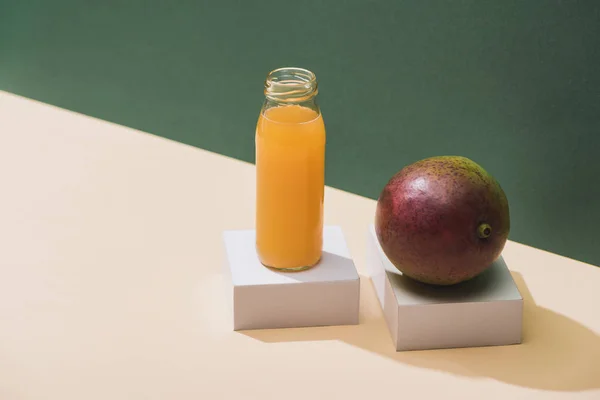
(290, 85)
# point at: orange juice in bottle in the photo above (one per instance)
(290, 172)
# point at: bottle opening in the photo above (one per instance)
(291, 84)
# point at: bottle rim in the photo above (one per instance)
(291, 84)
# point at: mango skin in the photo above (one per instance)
(428, 220)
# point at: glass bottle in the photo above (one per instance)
(290, 172)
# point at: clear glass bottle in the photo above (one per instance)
(290, 172)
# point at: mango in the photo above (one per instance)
(442, 220)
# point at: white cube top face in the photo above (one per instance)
(264, 298)
(335, 265)
(484, 311)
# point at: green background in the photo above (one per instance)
(514, 85)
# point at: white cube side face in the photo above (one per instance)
(381, 284)
(300, 305)
(375, 267)
(459, 325)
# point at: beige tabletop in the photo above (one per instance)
(111, 286)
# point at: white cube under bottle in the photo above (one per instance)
(484, 311)
(262, 298)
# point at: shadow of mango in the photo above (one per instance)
(557, 352)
